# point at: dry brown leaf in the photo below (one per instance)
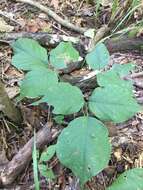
(55, 4)
(106, 2)
(32, 26)
(36, 25)
(4, 27)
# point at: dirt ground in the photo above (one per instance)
(126, 138)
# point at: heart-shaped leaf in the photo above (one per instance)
(28, 54)
(63, 54)
(38, 82)
(131, 179)
(78, 147)
(65, 98)
(98, 58)
(113, 103)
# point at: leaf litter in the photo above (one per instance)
(128, 140)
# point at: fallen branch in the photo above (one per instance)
(136, 75)
(85, 83)
(89, 81)
(140, 100)
(124, 43)
(43, 37)
(100, 34)
(117, 44)
(7, 15)
(23, 157)
(52, 14)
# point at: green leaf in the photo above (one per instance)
(115, 6)
(136, 3)
(131, 179)
(46, 156)
(112, 78)
(28, 54)
(65, 98)
(97, 6)
(84, 147)
(98, 58)
(38, 82)
(63, 54)
(46, 172)
(59, 119)
(48, 153)
(123, 69)
(113, 103)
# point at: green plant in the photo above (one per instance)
(46, 156)
(35, 163)
(85, 141)
(131, 179)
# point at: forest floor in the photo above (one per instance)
(126, 138)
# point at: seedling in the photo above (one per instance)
(83, 146)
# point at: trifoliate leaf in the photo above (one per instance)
(98, 58)
(84, 147)
(113, 103)
(37, 82)
(131, 179)
(112, 78)
(28, 54)
(65, 98)
(63, 54)
(123, 69)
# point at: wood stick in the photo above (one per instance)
(52, 14)
(85, 83)
(124, 43)
(117, 44)
(100, 34)
(43, 37)
(23, 157)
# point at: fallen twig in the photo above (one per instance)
(140, 100)
(136, 75)
(117, 44)
(23, 157)
(138, 84)
(43, 37)
(6, 15)
(100, 34)
(52, 14)
(85, 82)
